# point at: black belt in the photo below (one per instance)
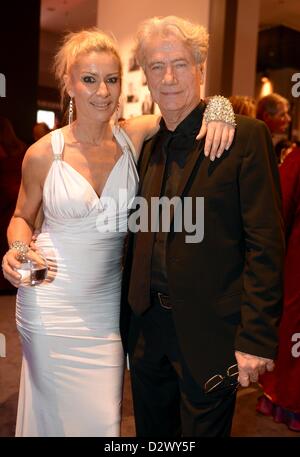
(162, 299)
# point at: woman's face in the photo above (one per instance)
(95, 83)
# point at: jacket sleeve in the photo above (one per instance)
(260, 203)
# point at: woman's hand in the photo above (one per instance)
(219, 137)
(10, 262)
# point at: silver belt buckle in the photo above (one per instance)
(162, 302)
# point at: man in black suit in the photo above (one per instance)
(205, 305)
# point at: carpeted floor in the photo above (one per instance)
(247, 423)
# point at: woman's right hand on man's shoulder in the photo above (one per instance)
(9, 264)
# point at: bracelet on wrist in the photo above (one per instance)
(21, 248)
(219, 109)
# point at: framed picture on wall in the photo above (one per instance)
(132, 64)
(137, 98)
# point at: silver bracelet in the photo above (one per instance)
(21, 248)
(219, 109)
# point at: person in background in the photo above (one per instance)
(12, 151)
(281, 398)
(244, 105)
(39, 130)
(273, 109)
(282, 149)
(72, 369)
(205, 302)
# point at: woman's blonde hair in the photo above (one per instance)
(76, 44)
(193, 35)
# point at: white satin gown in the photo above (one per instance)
(72, 368)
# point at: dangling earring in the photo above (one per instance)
(116, 117)
(71, 111)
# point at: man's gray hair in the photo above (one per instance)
(269, 105)
(193, 35)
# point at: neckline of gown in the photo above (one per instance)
(98, 196)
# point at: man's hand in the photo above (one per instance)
(219, 136)
(251, 367)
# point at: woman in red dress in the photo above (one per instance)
(281, 397)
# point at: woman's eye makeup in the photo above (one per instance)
(113, 79)
(88, 79)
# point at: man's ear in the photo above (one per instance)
(266, 117)
(68, 84)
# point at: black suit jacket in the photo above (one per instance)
(227, 289)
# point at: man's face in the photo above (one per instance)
(279, 122)
(173, 77)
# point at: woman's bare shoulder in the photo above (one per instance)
(39, 153)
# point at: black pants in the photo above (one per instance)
(167, 400)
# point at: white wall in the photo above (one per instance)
(121, 17)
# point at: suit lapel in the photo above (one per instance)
(151, 170)
(151, 177)
(145, 158)
(190, 165)
(196, 154)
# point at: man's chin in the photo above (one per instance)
(283, 130)
(170, 107)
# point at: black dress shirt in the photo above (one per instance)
(174, 149)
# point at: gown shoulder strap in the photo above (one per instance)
(125, 141)
(57, 142)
